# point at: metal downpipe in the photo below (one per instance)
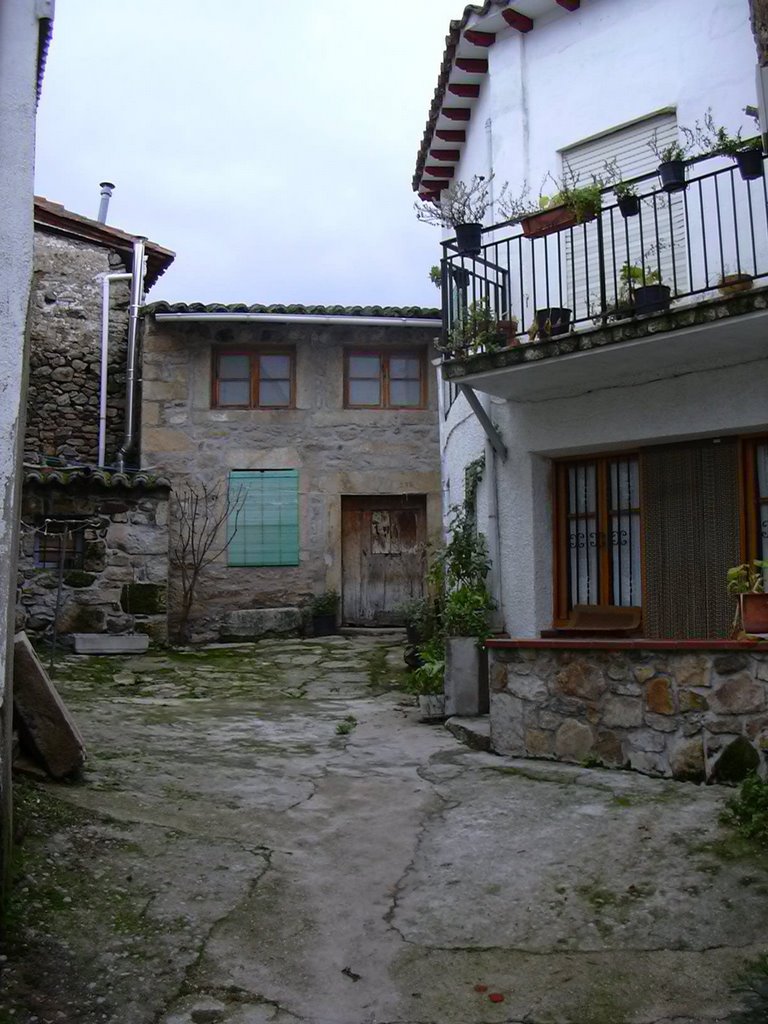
(137, 294)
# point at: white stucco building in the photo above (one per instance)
(24, 33)
(626, 446)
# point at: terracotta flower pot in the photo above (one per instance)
(732, 284)
(544, 223)
(754, 613)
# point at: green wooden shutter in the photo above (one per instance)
(268, 523)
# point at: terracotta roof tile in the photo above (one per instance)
(413, 312)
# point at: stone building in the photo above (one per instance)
(103, 530)
(322, 423)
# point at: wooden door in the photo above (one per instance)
(384, 554)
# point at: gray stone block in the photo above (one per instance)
(255, 623)
(462, 676)
(47, 724)
(106, 643)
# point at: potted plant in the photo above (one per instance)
(569, 206)
(747, 153)
(550, 322)
(461, 207)
(478, 330)
(747, 583)
(436, 276)
(646, 292)
(324, 610)
(418, 616)
(671, 163)
(457, 575)
(426, 681)
(627, 198)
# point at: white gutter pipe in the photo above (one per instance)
(137, 295)
(106, 280)
(300, 318)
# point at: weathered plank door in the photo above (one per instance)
(384, 554)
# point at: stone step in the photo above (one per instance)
(472, 732)
(394, 633)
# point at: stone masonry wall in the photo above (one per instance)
(337, 451)
(122, 585)
(696, 715)
(65, 359)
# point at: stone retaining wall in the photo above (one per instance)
(122, 585)
(698, 714)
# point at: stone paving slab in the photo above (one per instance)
(239, 854)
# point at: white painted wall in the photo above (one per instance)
(574, 76)
(613, 61)
(732, 400)
(18, 87)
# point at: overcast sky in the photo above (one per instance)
(270, 144)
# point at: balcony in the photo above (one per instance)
(679, 284)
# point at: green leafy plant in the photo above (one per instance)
(427, 680)
(477, 330)
(345, 727)
(716, 139)
(624, 189)
(747, 812)
(436, 276)
(466, 612)
(584, 201)
(747, 578)
(325, 604)
(672, 150)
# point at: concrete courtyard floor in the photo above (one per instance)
(267, 834)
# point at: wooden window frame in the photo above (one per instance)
(751, 514)
(560, 513)
(254, 356)
(47, 545)
(385, 355)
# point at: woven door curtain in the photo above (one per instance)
(690, 495)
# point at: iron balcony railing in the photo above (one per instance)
(674, 250)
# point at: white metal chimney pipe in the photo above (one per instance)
(137, 294)
(106, 194)
(106, 280)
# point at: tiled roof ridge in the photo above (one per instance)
(298, 309)
(449, 53)
(64, 476)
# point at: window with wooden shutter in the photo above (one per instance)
(266, 528)
(634, 240)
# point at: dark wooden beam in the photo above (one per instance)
(516, 20)
(451, 135)
(569, 5)
(456, 113)
(435, 186)
(480, 38)
(472, 65)
(437, 172)
(451, 155)
(464, 89)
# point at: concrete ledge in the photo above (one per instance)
(107, 643)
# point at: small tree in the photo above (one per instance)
(199, 513)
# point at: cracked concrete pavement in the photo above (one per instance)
(231, 856)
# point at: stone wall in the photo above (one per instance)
(692, 714)
(337, 451)
(65, 358)
(122, 585)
